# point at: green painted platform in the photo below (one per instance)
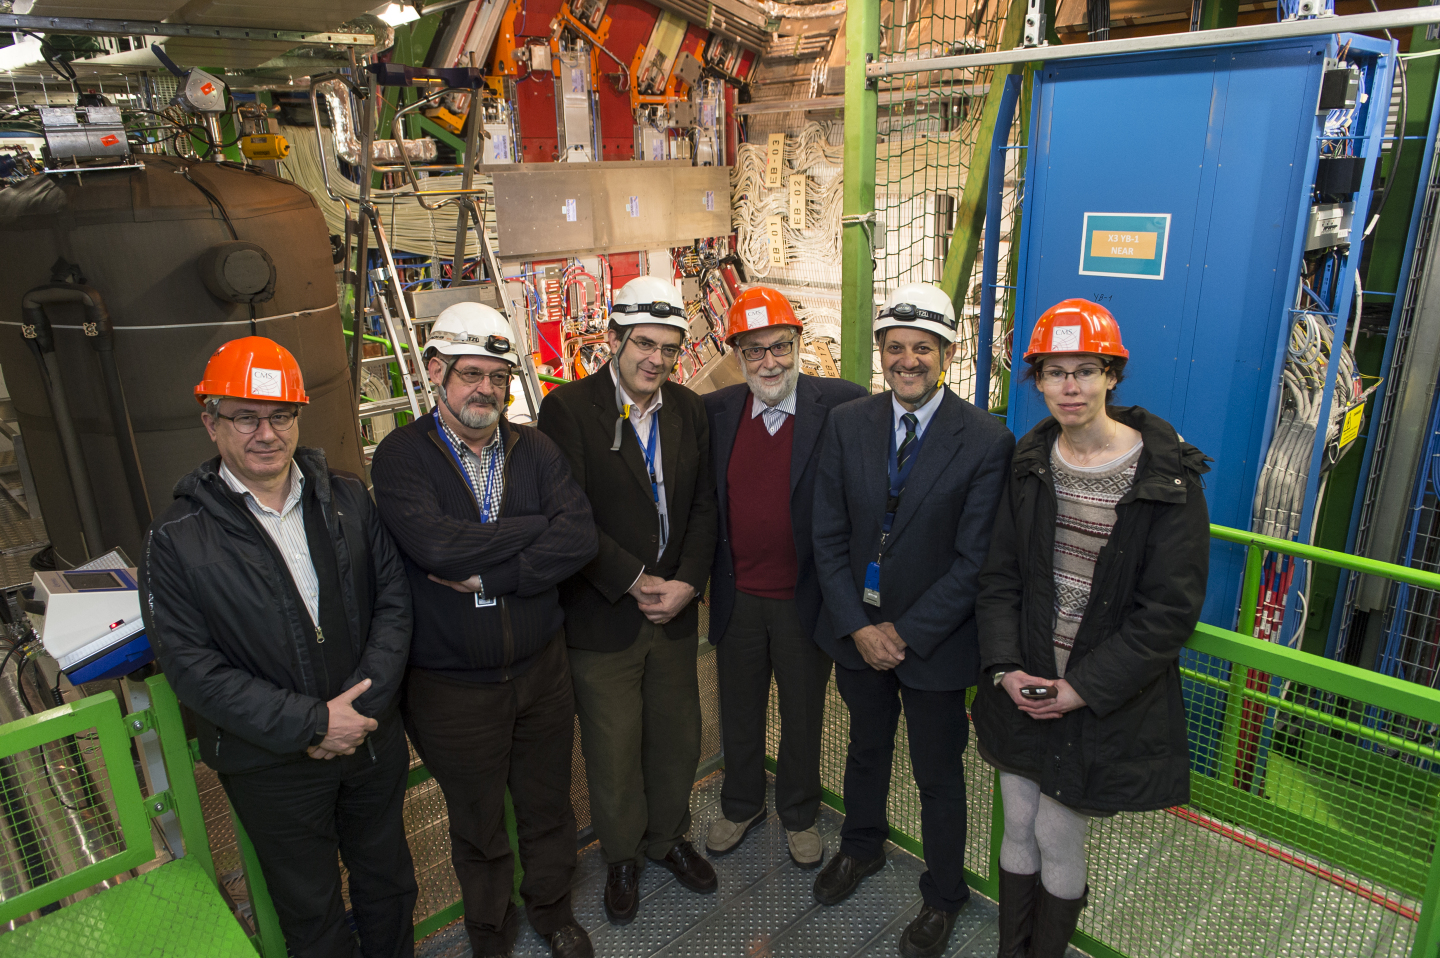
(173, 911)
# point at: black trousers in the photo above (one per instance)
(765, 635)
(938, 730)
(299, 815)
(477, 739)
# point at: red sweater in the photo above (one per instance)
(762, 539)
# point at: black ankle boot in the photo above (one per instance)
(1055, 921)
(1017, 913)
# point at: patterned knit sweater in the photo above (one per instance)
(1085, 498)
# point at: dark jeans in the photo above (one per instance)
(477, 738)
(765, 635)
(639, 714)
(938, 730)
(299, 815)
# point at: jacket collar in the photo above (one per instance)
(206, 487)
(1165, 464)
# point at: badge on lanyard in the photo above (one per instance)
(483, 603)
(872, 584)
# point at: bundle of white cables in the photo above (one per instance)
(408, 226)
(817, 245)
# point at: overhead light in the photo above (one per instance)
(397, 13)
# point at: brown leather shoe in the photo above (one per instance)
(690, 868)
(622, 893)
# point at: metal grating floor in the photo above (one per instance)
(764, 908)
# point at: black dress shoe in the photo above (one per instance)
(928, 934)
(570, 941)
(690, 868)
(622, 893)
(842, 876)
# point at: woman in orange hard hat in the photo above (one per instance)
(1094, 581)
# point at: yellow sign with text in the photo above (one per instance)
(1123, 245)
(1351, 428)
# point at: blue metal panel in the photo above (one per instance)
(1224, 140)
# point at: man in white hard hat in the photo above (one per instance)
(904, 503)
(640, 448)
(489, 522)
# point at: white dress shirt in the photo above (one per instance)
(286, 529)
(640, 421)
(923, 415)
(774, 415)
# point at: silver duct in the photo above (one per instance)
(346, 133)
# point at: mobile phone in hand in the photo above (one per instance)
(1040, 691)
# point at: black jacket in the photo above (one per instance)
(814, 398)
(543, 534)
(937, 542)
(599, 614)
(1126, 749)
(226, 624)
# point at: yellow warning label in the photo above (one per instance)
(1351, 428)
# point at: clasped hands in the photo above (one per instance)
(661, 599)
(880, 645)
(347, 728)
(1067, 700)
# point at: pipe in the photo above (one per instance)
(994, 213)
(346, 133)
(103, 339)
(39, 333)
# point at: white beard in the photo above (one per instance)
(475, 414)
(773, 391)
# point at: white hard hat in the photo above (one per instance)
(921, 306)
(472, 329)
(649, 299)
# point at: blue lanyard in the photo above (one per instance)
(898, 476)
(650, 453)
(465, 473)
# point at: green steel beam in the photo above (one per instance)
(857, 264)
(269, 939)
(970, 217)
(1218, 14)
(180, 770)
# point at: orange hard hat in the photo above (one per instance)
(253, 368)
(758, 307)
(1076, 326)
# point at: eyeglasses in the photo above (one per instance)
(247, 423)
(1054, 375)
(470, 377)
(753, 354)
(647, 348)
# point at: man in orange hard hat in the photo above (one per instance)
(765, 440)
(279, 610)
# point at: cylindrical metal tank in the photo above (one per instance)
(140, 238)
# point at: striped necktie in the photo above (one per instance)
(907, 446)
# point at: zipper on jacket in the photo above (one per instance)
(319, 636)
(371, 746)
(217, 741)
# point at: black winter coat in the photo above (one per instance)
(1126, 749)
(228, 628)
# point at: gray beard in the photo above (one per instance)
(475, 414)
(773, 395)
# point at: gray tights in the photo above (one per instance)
(1042, 835)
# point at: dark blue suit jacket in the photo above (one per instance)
(930, 574)
(814, 398)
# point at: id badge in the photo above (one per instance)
(872, 584)
(483, 603)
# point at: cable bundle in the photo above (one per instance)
(818, 245)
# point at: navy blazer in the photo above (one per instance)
(929, 576)
(814, 398)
